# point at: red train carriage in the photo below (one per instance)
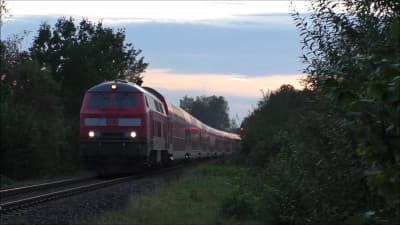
(124, 126)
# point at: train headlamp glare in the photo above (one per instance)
(113, 86)
(133, 134)
(91, 134)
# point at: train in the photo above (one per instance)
(124, 126)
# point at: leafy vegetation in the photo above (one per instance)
(330, 154)
(42, 89)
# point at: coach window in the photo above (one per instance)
(187, 137)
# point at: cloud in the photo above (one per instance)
(219, 84)
(152, 11)
(241, 92)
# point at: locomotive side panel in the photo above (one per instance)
(157, 137)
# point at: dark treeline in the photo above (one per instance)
(42, 89)
(330, 154)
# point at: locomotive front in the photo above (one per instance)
(113, 127)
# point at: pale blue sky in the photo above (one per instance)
(257, 44)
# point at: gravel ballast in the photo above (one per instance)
(82, 208)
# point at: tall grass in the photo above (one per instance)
(197, 198)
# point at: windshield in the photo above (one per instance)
(100, 100)
(110, 100)
(125, 100)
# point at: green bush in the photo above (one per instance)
(33, 135)
(330, 154)
(306, 171)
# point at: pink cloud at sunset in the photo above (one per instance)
(219, 84)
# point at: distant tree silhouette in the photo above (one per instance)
(211, 110)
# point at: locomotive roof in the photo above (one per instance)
(155, 93)
(123, 86)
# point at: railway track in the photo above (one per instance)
(31, 188)
(21, 200)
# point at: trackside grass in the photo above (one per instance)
(196, 198)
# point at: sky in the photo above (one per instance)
(236, 49)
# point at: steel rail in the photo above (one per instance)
(30, 201)
(27, 189)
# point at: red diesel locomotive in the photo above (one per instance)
(124, 126)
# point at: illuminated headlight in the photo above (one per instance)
(91, 134)
(133, 134)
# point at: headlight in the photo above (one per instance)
(91, 134)
(133, 134)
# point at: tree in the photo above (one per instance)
(79, 57)
(211, 110)
(352, 49)
(33, 133)
(274, 113)
(3, 12)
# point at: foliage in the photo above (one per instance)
(266, 124)
(211, 110)
(330, 154)
(353, 59)
(303, 169)
(42, 89)
(33, 137)
(3, 12)
(80, 56)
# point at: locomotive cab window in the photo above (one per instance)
(151, 103)
(125, 100)
(109, 100)
(159, 107)
(100, 100)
